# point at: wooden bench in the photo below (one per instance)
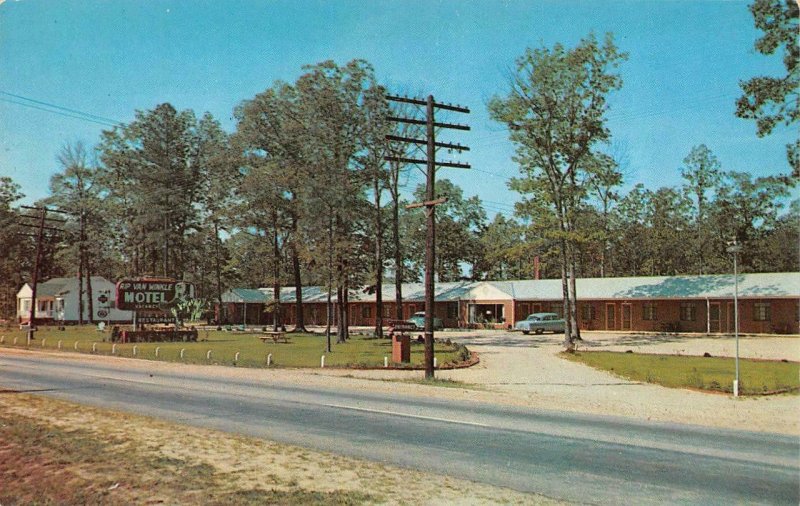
(274, 336)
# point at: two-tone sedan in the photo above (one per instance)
(541, 322)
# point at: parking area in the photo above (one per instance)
(527, 371)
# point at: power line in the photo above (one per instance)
(58, 109)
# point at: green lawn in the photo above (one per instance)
(303, 350)
(705, 373)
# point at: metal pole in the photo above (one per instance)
(736, 316)
(430, 246)
(735, 249)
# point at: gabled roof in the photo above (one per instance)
(776, 285)
(56, 287)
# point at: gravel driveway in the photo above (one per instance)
(526, 370)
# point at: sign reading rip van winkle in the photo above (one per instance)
(151, 293)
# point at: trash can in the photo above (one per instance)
(401, 348)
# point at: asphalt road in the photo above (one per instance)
(578, 458)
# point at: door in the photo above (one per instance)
(626, 316)
(611, 317)
(714, 313)
(731, 319)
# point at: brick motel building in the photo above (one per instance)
(768, 303)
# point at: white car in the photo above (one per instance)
(541, 322)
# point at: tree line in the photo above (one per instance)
(300, 194)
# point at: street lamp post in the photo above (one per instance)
(735, 249)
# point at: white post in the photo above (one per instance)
(157, 348)
(269, 359)
(76, 346)
(15, 340)
(134, 351)
(182, 350)
(322, 361)
(735, 249)
(208, 355)
(114, 349)
(385, 361)
(435, 363)
(236, 357)
(43, 340)
(94, 347)
(59, 344)
(2, 339)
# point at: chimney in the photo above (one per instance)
(536, 267)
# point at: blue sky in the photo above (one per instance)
(111, 58)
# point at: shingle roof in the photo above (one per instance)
(780, 284)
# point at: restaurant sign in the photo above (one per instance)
(154, 294)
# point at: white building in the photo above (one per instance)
(57, 300)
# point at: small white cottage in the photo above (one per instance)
(57, 300)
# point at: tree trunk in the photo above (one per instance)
(299, 323)
(378, 262)
(89, 298)
(80, 284)
(218, 269)
(573, 310)
(330, 281)
(81, 262)
(339, 315)
(276, 276)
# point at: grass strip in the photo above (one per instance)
(303, 350)
(713, 374)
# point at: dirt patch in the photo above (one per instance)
(54, 452)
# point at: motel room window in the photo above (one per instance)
(588, 313)
(366, 312)
(761, 312)
(688, 311)
(387, 311)
(452, 310)
(649, 311)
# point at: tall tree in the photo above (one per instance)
(773, 100)
(459, 222)
(156, 184)
(77, 189)
(333, 99)
(555, 114)
(702, 172)
(15, 250)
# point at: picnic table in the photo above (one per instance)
(274, 336)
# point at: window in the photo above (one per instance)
(649, 311)
(557, 308)
(688, 311)
(588, 313)
(26, 305)
(366, 311)
(761, 312)
(387, 311)
(452, 310)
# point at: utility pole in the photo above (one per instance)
(39, 235)
(431, 201)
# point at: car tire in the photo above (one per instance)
(539, 331)
(526, 332)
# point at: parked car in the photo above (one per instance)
(418, 319)
(541, 322)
